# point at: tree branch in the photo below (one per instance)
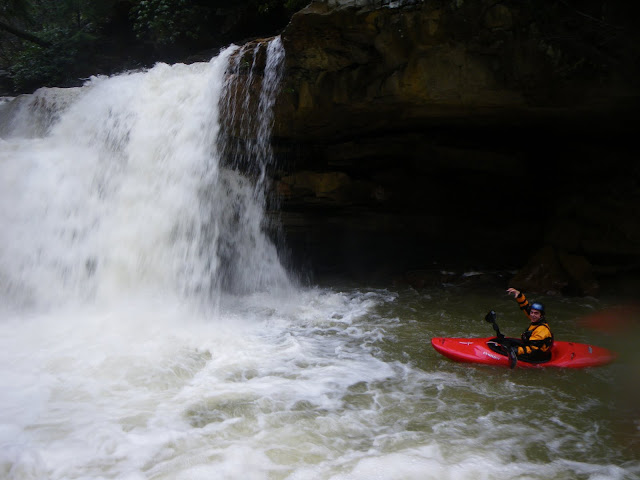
(24, 35)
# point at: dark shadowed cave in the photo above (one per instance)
(471, 195)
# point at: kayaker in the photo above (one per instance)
(536, 342)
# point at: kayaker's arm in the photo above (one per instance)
(523, 303)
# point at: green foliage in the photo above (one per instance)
(34, 65)
(65, 31)
(161, 21)
(164, 21)
(295, 5)
(68, 14)
(15, 9)
(266, 6)
(50, 42)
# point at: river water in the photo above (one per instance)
(148, 329)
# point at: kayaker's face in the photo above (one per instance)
(534, 315)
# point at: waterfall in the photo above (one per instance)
(248, 118)
(120, 187)
(244, 143)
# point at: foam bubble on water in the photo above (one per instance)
(19, 462)
(119, 387)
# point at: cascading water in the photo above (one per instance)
(126, 191)
(244, 143)
(128, 204)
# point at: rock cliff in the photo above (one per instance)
(430, 135)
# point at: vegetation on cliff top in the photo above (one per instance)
(57, 42)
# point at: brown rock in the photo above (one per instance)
(332, 185)
(356, 66)
(580, 274)
(555, 272)
(542, 274)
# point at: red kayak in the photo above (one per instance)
(563, 354)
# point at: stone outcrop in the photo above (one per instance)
(350, 68)
(554, 272)
(471, 134)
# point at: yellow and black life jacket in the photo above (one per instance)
(543, 344)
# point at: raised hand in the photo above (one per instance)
(513, 292)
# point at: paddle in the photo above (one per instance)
(491, 318)
(511, 350)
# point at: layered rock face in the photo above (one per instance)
(449, 135)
